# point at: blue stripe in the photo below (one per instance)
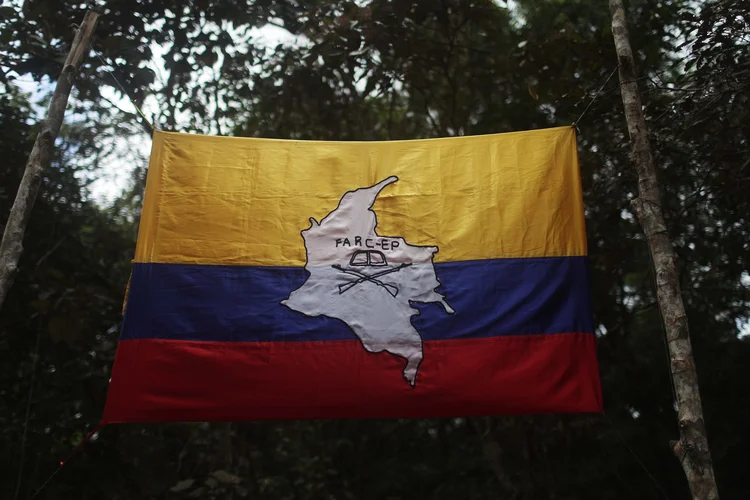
(233, 303)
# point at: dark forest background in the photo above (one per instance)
(382, 70)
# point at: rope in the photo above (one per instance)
(637, 458)
(596, 95)
(124, 91)
(63, 463)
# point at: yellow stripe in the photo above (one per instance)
(240, 201)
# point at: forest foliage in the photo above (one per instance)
(379, 70)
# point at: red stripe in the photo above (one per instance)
(167, 380)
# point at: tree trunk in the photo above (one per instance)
(11, 247)
(692, 448)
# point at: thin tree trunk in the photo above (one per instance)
(11, 247)
(692, 448)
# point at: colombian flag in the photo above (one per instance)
(281, 279)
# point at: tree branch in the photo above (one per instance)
(648, 208)
(11, 247)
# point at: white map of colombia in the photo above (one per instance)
(366, 280)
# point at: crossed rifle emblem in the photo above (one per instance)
(369, 258)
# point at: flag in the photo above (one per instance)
(282, 279)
